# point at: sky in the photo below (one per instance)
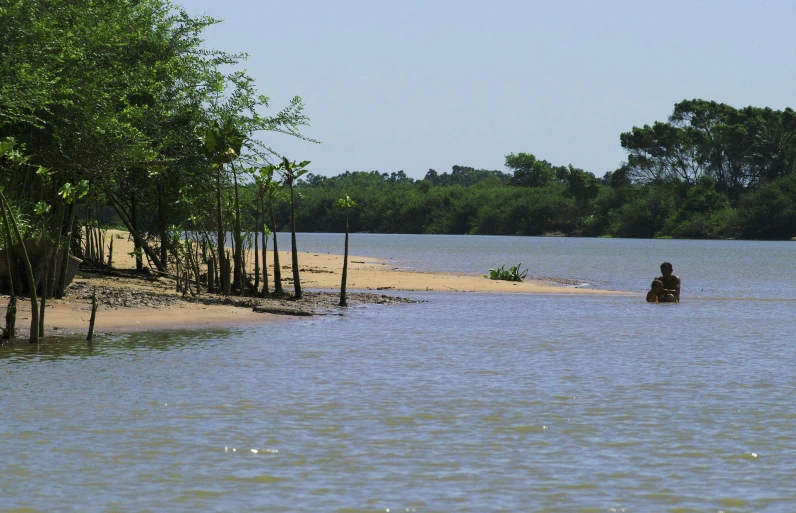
(415, 85)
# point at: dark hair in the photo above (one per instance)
(667, 265)
(656, 283)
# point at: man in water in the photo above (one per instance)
(671, 283)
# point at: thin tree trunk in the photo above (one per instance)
(11, 311)
(345, 264)
(43, 303)
(211, 275)
(266, 292)
(221, 233)
(164, 236)
(93, 239)
(296, 280)
(226, 275)
(34, 304)
(100, 240)
(277, 270)
(136, 236)
(256, 261)
(238, 255)
(59, 290)
(54, 258)
(11, 319)
(139, 261)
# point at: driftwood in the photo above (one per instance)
(281, 310)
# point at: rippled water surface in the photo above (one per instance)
(468, 402)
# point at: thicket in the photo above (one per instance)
(710, 171)
(117, 105)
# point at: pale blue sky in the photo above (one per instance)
(415, 85)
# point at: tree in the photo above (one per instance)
(269, 188)
(528, 171)
(222, 145)
(346, 204)
(290, 172)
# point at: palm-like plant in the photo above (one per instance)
(290, 172)
(346, 204)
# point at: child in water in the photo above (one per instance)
(658, 294)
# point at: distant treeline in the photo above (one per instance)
(711, 171)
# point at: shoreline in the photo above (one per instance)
(133, 302)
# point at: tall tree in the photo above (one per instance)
(291, 171)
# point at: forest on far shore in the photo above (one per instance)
(710, 171)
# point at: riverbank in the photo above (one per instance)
(130, 301)
(323, 271)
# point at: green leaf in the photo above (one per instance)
(41, 208)
(7, 145)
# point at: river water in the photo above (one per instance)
(467, 402)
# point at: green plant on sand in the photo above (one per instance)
(513, 273)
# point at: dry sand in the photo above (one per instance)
(154, 303)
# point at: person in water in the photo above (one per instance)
(671, 283)
(657, 294)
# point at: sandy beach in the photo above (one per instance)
(134, 303)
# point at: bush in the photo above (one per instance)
(513, 273)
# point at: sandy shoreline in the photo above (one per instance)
(133, 303)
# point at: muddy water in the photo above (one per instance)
(465, 403)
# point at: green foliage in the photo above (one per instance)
(513, 273)
(346, 203)
(770, 212)
(71, 193)
(528, 171)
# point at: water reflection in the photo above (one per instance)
(76, 346)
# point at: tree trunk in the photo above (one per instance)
(11, 312)
(59, 290)
(211, 277)
(226, 274)
(43, 303)
(136, 236)
(238, 255)
(162, 228)
(221, 232)
(345, 264)
(277, 270)
(256, 261)
(59, 232)
(266, 292)
(100, 240)
(10, 332)
(34, 304)
(139, 262)
(296, 281)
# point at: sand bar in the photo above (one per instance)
(135, 304)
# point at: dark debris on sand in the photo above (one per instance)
(312, 303)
